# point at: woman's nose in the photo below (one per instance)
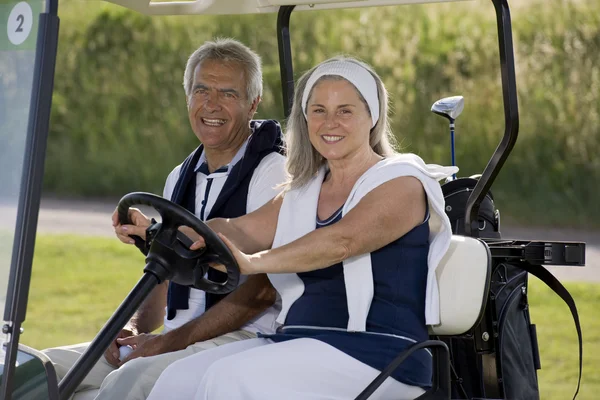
(331, 120)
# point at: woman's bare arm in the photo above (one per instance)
(252, 232)
(382, 216)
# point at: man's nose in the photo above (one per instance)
(212, 102)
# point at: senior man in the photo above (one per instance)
(237, 168)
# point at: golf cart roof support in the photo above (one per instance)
(511, 118)
(286, 67)
(31, 188)
(221, 7)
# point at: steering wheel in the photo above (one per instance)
(169, 249)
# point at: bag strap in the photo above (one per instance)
(546, 276)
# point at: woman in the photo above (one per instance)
(351, 247)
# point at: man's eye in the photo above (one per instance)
(229, 95)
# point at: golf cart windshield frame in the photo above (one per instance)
(31, 189)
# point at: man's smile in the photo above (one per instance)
(216, 122)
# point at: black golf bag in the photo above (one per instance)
(456, 194)
(500, 359)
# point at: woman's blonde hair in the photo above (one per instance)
(303, 160)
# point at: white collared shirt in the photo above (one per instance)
(263, 187)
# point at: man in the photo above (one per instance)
(236, 170)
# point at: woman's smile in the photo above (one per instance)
(330, 139)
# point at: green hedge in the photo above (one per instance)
(119, 120)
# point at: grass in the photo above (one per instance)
(558, 340)
(78, 281)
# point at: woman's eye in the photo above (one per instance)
(345, 111)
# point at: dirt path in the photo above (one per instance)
(93, 218)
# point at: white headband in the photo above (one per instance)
(354, 73)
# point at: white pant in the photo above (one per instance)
(135, 379)
(258, 369)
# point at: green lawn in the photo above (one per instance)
(558, 340)
(78, 281)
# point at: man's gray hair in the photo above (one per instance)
(303, 160)
(227, 50)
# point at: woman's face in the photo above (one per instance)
(339, 122)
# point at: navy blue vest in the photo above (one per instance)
(398, 308)
(266, 139)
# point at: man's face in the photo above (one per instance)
(218, 107)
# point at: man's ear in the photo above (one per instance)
(254, 107)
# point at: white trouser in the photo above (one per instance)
(135, 379)
(258, 369)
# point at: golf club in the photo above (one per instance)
(450, 107)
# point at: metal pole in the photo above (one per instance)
(107, 334)
(286, 68)
(453, 158)
(31, 189)
(511, 117)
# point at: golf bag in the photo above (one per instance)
(500, 359)
(456, 193)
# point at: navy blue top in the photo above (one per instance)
(396, 318)
(266, 138)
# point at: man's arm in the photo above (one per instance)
(256, 294)
(151, 313)
(250, 299)
(147, 318)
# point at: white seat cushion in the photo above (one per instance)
(463, 279)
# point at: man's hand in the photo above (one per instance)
(140, 223)
(145, 345)
(112, 353)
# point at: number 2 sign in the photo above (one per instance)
(20, 22)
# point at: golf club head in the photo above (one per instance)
(449, 107)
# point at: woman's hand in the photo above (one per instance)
(198, 241)
(249, 264)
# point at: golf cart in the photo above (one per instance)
(478, 263)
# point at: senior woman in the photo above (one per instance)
(351, 247)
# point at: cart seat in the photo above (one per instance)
(463, 279)
(463, 276)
